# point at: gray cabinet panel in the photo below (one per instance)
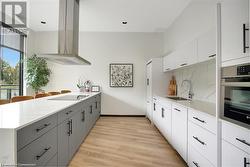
(34, 131)
(52, 162)
(63, 143)
(65, 114)
(40, 151)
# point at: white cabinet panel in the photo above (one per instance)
(234, 13)
(203, 141)
(179, 129)
(236, 135)
(165, 122)
(207, 46)
(233, 157)
(195, 159)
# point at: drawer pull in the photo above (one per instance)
(96, 105)
(196, 138)
(211, 56)
(245, 162)
(184, 64)
(44, 151)
(243, 141)
(71, 129)
(177, 109)
(154, 106)
(196, 164)
(41, 128)
(69, 112)
(199, 120)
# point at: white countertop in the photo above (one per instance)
(20, 114)
(202, 106)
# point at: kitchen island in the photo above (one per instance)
(46, 131)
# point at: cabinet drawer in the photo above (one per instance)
(165, 103)
(40, 151)
(236, 135)
(182, 111)
(33, 131)
(202, 140)
(195, 159)
(52, 162)
(66, 113)
(232, 156)
(204, 120)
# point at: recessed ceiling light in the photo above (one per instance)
(43, 22)
(124, 22)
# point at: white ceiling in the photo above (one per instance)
(107, 15)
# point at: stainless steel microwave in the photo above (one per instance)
(235, 94)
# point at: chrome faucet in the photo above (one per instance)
(190, 91)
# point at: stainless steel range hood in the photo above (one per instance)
(67, 35)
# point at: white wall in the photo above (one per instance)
(101, 49)
(198, 17)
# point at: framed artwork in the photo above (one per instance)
(95, 88)
(121, 75)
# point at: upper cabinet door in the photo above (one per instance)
(207, 46)
(235, 40)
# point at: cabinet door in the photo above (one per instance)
(168, 62)
(232, 156)
(166, 122)
(75, 137)
(188, 54)
(149, 81)
(207, 46)
(63, 143)
(234, 14)
(179, 130)
(156, 113)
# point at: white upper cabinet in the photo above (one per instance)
(183, 56)
(235, 39)
(206, 46)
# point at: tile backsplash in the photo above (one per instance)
(203, 78)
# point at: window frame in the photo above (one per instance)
(22, 45)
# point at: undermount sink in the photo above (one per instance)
(177, 98)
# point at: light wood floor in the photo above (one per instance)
(125, 142)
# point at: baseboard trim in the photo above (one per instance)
(107, 115)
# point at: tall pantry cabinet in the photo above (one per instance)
(156, 81)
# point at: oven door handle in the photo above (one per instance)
(236, 84)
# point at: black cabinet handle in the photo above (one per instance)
(211, 56)
(243, 141)
(96, 104)
(184, 64)
(196, 164)
(162, 112)
(196, 138)
(43, 127)
(91, 109)
(69, 126)
(83, 115)
(44, 151)
(154, 106)
(147, 81)
(71, 129)
(245, 162)
(244, 38)
(67, 113)
(202, 121)
(177, 109)
(168, 69)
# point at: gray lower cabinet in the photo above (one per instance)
(63, 143)
(53, 141)
(40, 151)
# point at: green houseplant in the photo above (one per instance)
(37, 73)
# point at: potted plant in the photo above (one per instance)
(37, 73)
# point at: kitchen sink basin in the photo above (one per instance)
(177, 98)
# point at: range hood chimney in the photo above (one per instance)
(67, 35)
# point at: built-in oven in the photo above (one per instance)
(235, 94)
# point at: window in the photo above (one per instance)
(11, 62)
